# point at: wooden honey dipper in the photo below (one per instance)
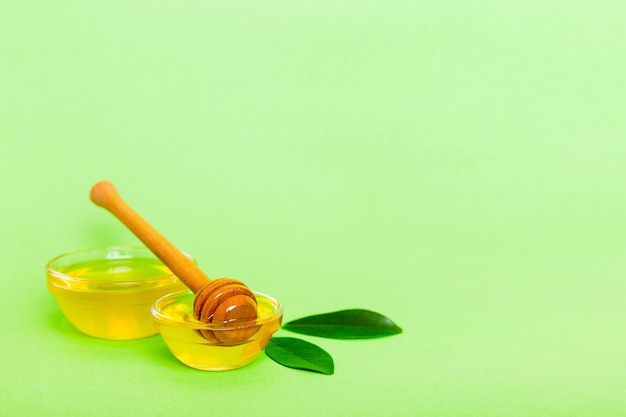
(223, 302)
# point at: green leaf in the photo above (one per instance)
(345, 324)
(299, 354)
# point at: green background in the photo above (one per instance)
(458, 166)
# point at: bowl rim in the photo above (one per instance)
(194, 324)
(51, 271)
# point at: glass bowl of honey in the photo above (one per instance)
(108, 292)
(202, 345)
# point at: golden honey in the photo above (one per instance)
(174, 320)
(108, 292)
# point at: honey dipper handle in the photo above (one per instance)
(105, 195)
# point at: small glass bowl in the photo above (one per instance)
(182, 333)
(107, 292)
